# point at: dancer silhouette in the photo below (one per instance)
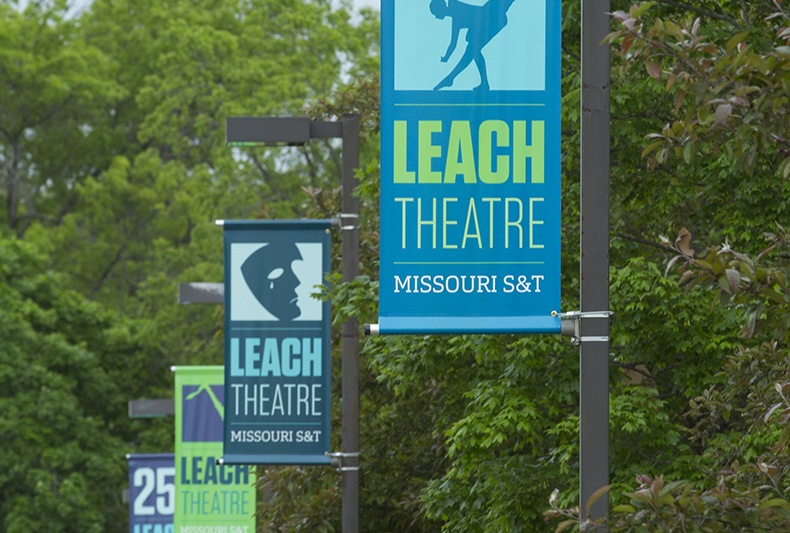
(482, 23)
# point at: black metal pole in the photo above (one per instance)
(594, 348)
(349, 227)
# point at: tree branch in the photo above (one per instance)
(644, 241)
(571, 53)
(745, 13)
(311, 167)
(704, 12)
(115, 260)
(267, 176)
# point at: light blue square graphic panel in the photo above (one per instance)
(285, 273)
(461, 46)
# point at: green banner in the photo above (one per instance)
(210, 498)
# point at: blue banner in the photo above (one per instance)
(277, 343)
(470, 167)
(151, 492)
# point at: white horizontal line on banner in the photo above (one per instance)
(265, 328)
(275, 423)
(467, 263)
(470, 105)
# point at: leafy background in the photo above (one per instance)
(113, 168)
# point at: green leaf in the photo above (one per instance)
(596, 495)
(735, 40)
(637, 10)
(775, 502)
(688, 151)
(652, 146)
(562, 526)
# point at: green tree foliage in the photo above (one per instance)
(114, 166)
(716, 75)
(717, 81)
(740, 438)
(184, 67)
(54, 90)
(156, 83)
(64, 368)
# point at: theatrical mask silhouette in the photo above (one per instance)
(482, 23)
(271, 279)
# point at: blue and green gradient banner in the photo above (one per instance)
(277, 343)
(470, 166)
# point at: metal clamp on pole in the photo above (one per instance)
(337, 461)
(371, 329)
(571, 325)
(348, 221)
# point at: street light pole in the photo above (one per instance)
(295, 131)
(349, 228)
(594, 355)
